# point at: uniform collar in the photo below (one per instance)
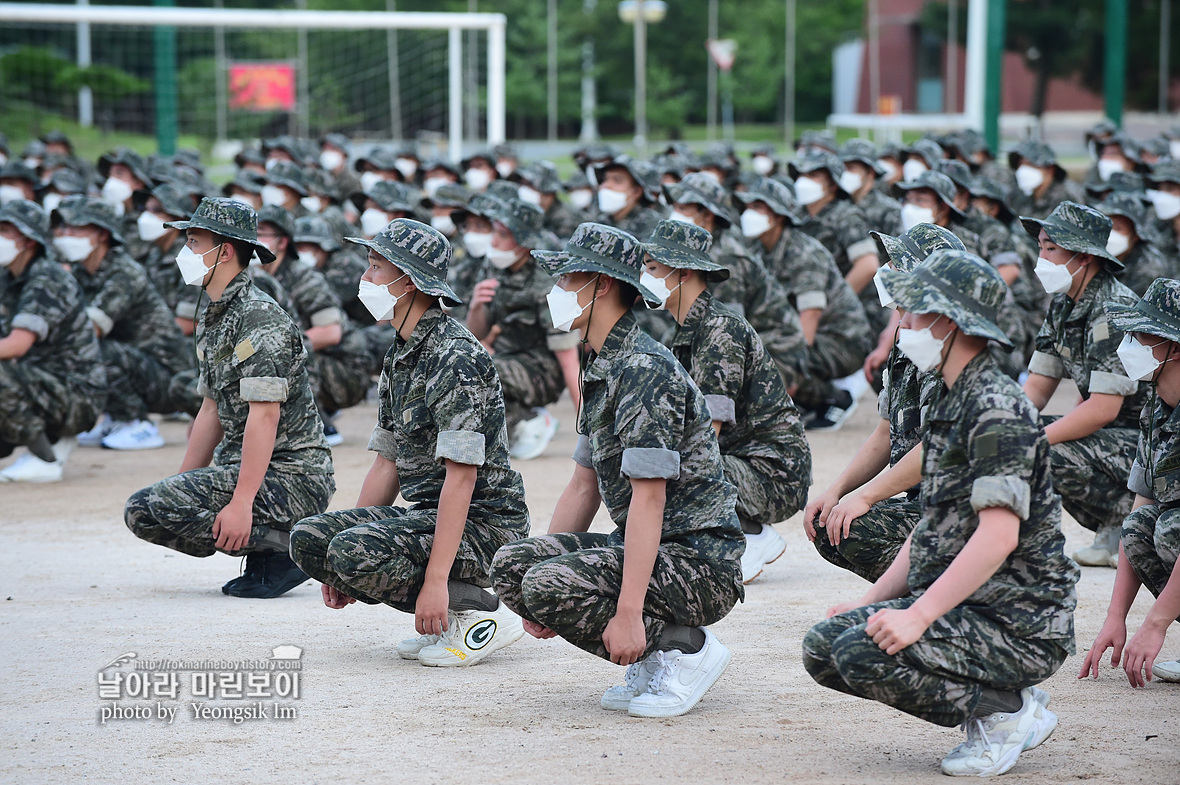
(700, 308)
(618, 340)
(954, 399)
(1095, 294)
(427, 324)
(239, 284)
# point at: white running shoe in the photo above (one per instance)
(681, 680)
(135, 435)
(471, 636)
(1167, 671)
(762, 549)
(531, 437)
(30, 468)
(409, 648)
(994, 743)
(1104, 552)
(101, 430)
(636, 682)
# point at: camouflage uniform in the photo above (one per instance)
(640, 220)
(465, 270)
(1145, 262)
(983, 449)
(1151, 534)
(1041, 206)
(882, 212)
(843, 229)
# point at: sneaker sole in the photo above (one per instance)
(615, 703)
(532, 454)
(1043, 732)
(746, 581)
(476, 657)
(838, 423)
(643, 710)
(1168, 675)
(153, 444)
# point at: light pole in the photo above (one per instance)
(640, 13)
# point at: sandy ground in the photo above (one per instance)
(78, 591)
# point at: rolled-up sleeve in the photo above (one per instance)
(465, 447)
(1112, 384)
(721, 408)
(1137, 481)
(648, 463)
(583, 454)
(384, 443)
(33, 323)
(1003, 491)
(1046, 365)
(264, 388)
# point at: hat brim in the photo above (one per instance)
(427, 281)
(1069, 239)
(1143, 317)
(903, 187)
(682, 194)
(895, 251)
(562, 262)
(116, 235)
(917, 295)
(685, 260)
(327, 243)
(752, 195)
(221, 230)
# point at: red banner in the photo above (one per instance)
(262, 87)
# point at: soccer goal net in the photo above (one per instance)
(225, 74)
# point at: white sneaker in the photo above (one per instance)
(1104, 552)
(531, 437)
(471, 636)
(135, 435)
(636, 682)
(994, 743)
(101, 430)
(681, 680)
(1167, 671)
(409, 648)
(30, 468)
(63, 447)
(762, 549)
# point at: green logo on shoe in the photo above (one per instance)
(480, 634)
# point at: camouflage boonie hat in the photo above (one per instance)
(441, 163)
(672, 164)
(1158, 313)
(316, 229)
(1078, 228)
(483, 205)
(765, 149)
(1037, 154)
(938, 182)
(173, 200)
(959, 172)
(1158, 145)
(320, 183)
(480, 155)
(984, 188)
(78, 210)
(418, 250)
(229, 219)
(279, 218)
(862, 151)
(968, 142)
(449, 195)
(287, 173)
(541, 176)
(909, 249)
(380, 158)
(58, 136)
(503, 190)
(1100, 130)
(1128, 146)
(1164, 172)
(391, 196)
(595, 152)
(249, 156)
(337, 140)
(643, 173)
(1119, 182)
(187, 156)
(928, 150)
(698, 188)
(127, 157)
(815, 162)
(1130, 207)
(288, 144)
(956, 284)
(29, 218)
(824, 140)
(773, 194)
(524, 220)
(15, 170)
(576, 180)
(684, 247)
(34, 148)
(250, 182)
(64, 181)
(598, 248)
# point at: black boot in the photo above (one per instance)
(252, 573)
(277, 577)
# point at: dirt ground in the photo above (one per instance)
(78, 590)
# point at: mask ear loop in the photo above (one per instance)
(584, 348)
(1150, 468)
(197, 311)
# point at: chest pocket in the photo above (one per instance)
(947, 477)
(414, 420)
(225, 366)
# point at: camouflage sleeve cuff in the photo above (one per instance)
(1112, 384)
(461, 447)
(811, 300)
(1002, 491)
(1046, 365)
(559, 342)
(865, 247)
(1137, 481)
(721, 408)
(883, 403)
(187, 310)
(202, 390)
(583, 455)
(33, 323)
(384, 443)
(327, 316)
(103, 322)
(651, 463)
(1005, 258)
(264, 388)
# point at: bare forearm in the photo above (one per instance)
(810, 321)
(870, 459)
(641, 543)
(1040, 389)
(900, 477)
(1088, 417)
(862, 271)
(453, 504)
(203, 439)
(894, 582)
(258, 444)
(477, 321)
(578, 503)
(381, 484)
(324, 336)
(568, 360)
(17, 343)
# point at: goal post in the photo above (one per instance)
(162, 19)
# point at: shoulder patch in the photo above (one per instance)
(244, 350)
(1100, 331)
(987, 445)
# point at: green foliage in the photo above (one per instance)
(25, 72)
(107, 83)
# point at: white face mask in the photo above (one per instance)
(406, 167)
(192, 265)
(150, 227)
(913, 168)
(851, 182)
(505, 168)
(331, 160)
(378, 299)
(754, 223)
(308, 258)
(564, 307)
(443, 223)
(52, 200)
(581, 199)
(373, 221)
(73, 249)
(883, 294)
(370, 179)
(312, 204)
(8, 251)
(432, 185)
(477, 179)
(10, 193)
(808, 191)
(1118, 243)
(611, 202)
(530, 195)
(1138, 360)
(3, 159)
(241, 198)
(1174, 148)
(32, 163)
(658, 287)
(1108, 166)
(271, 163)
(912, 215)
(762, 164)
(478, 243)
(1029, 178)
(1167, 206)
(681, 217)
(1055, 278)
(889, 167)
(116, 192)
(501, 260)
(921, 347)
(273, 195)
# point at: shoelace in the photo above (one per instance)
(665, 662)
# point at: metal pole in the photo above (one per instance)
(220, 64)
(1165, 52)
(589, 131)
(789, 74)
(303, 114)
(993, 81)
(472, 86)
(640, 79)
(85, 97)
(1114, 71)
(874, 57)
(711, 78)
(455, 107)
(552, 70)
(496, 89)
(973, 88)
(395, 80)
(165, 78)
(952, 57)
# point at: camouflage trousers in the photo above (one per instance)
(33, 400)
(830, 357)
(874, 538)
(178, 512)
(529, 380)
(1151, 542)
(768, 491)
(379, 554)
(940, 677)
(337, 382)
(1090, 474)
(182, 391)
(570, 584)
(139, 383)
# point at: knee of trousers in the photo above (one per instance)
(138, 513)
(351, 553)
(1140, 523)
(858, 659)
(542, 588)
(817, 648)
(507, 568)
(307, 543)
